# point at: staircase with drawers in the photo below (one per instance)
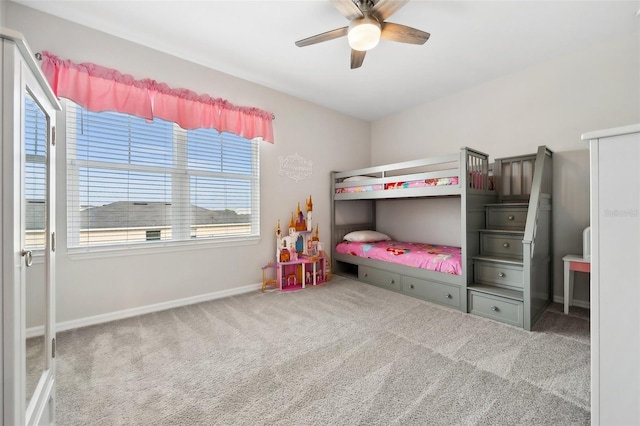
(512, 273)
(497, 289)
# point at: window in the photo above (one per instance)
(35, 182)
(154, 234)
(131, 181)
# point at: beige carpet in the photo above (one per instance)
(345, 353)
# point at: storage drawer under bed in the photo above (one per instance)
(444, 294)
(379, 277)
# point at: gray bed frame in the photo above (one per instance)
(473, 191)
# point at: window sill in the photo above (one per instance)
(80, 253)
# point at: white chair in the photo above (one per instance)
(573, 263)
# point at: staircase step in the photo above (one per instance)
(501, 243)
(498, 260)
(497, 291)
(508, 216)
(507, 205)
(510, 232)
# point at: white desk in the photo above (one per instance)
(573, 263)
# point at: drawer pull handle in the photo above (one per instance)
(447, 296)
(511, 217)
(393, 281)
(495, 309)
(411, 286)
(505, 245)
(501, 274)
(366, 275)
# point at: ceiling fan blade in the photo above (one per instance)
(319, 38)
(385, 8)
(403, 34)
(348, 9)
(357, 56)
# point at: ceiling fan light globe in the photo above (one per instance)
(364, 34)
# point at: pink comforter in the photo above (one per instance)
(400, 185)
(427, 256)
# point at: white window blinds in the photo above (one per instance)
(35, 179)
(136, 182)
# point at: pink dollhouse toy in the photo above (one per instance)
(309, 213)
(299, 260)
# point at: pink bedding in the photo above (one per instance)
(427, 256)
(400, 185)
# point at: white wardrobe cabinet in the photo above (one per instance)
(28, 111)
(615, 275)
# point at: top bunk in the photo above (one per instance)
(446, 175)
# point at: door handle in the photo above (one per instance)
(28, 257)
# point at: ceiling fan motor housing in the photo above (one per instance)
(364, 33)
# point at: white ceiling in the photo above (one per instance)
(471, 42)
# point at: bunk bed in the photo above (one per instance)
(463, 175)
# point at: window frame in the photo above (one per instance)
(72, 167)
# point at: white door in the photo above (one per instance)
(38, 229)
(28, 242)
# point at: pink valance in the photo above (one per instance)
(103, 89)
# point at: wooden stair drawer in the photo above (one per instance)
(498, 274)
(512, 218)
(497, 308)
(444, 294)
(501, 245)
(379, 277)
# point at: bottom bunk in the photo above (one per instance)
(447, 288)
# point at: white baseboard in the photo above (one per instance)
(127, 313)
(578, 303)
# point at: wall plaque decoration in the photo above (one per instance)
(295, 167)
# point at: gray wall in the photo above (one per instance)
(101, 285)
(551, 104)
(3, 12)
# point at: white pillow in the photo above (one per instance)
(366, 236)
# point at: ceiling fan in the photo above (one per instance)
(366, 26)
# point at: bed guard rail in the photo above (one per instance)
(513, 177)
(470, 166)
(540, 199)
(477, 165)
